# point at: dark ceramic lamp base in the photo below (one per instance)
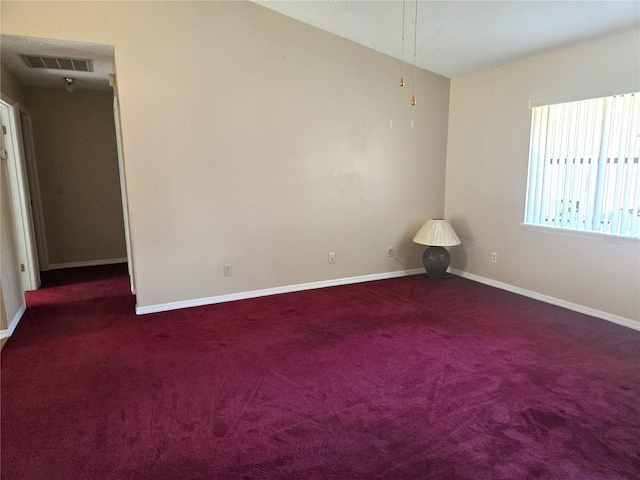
(436, 261)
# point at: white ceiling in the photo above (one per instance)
(460, 37)
(11, 47)
(454, 37)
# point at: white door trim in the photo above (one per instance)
(20, 198)
(34, 187)
(123, 192)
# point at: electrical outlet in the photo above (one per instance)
(226, 269)
(332, 257)
(494, 257)
(390, 252)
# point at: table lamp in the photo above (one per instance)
(437, 233)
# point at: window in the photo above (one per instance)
(583, 166)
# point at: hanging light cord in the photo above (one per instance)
(402, 50)
(415, 48)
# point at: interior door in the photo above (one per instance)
(20, 197)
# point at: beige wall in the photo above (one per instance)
(75, 146)
(11, 289)
(254, 140)
(487, 161)
(11, 86)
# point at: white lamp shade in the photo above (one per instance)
(437, 232)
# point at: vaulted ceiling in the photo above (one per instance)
(459, 37)
(452, 38)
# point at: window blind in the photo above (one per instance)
(583, 165)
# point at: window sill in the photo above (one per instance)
(603, 237)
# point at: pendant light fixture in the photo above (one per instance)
(404, 2)
(69, 84)
(415, 49)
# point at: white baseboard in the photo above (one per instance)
(14, 322)
(198, 302)
(625, 322)
(90, 263)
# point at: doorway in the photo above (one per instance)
(75, 137)
(29, 205)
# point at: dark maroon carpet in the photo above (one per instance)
(395, 379)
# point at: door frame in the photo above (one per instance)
(20, 195)
(123, 190)
(33, 178)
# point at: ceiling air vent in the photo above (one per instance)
(52, 63)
